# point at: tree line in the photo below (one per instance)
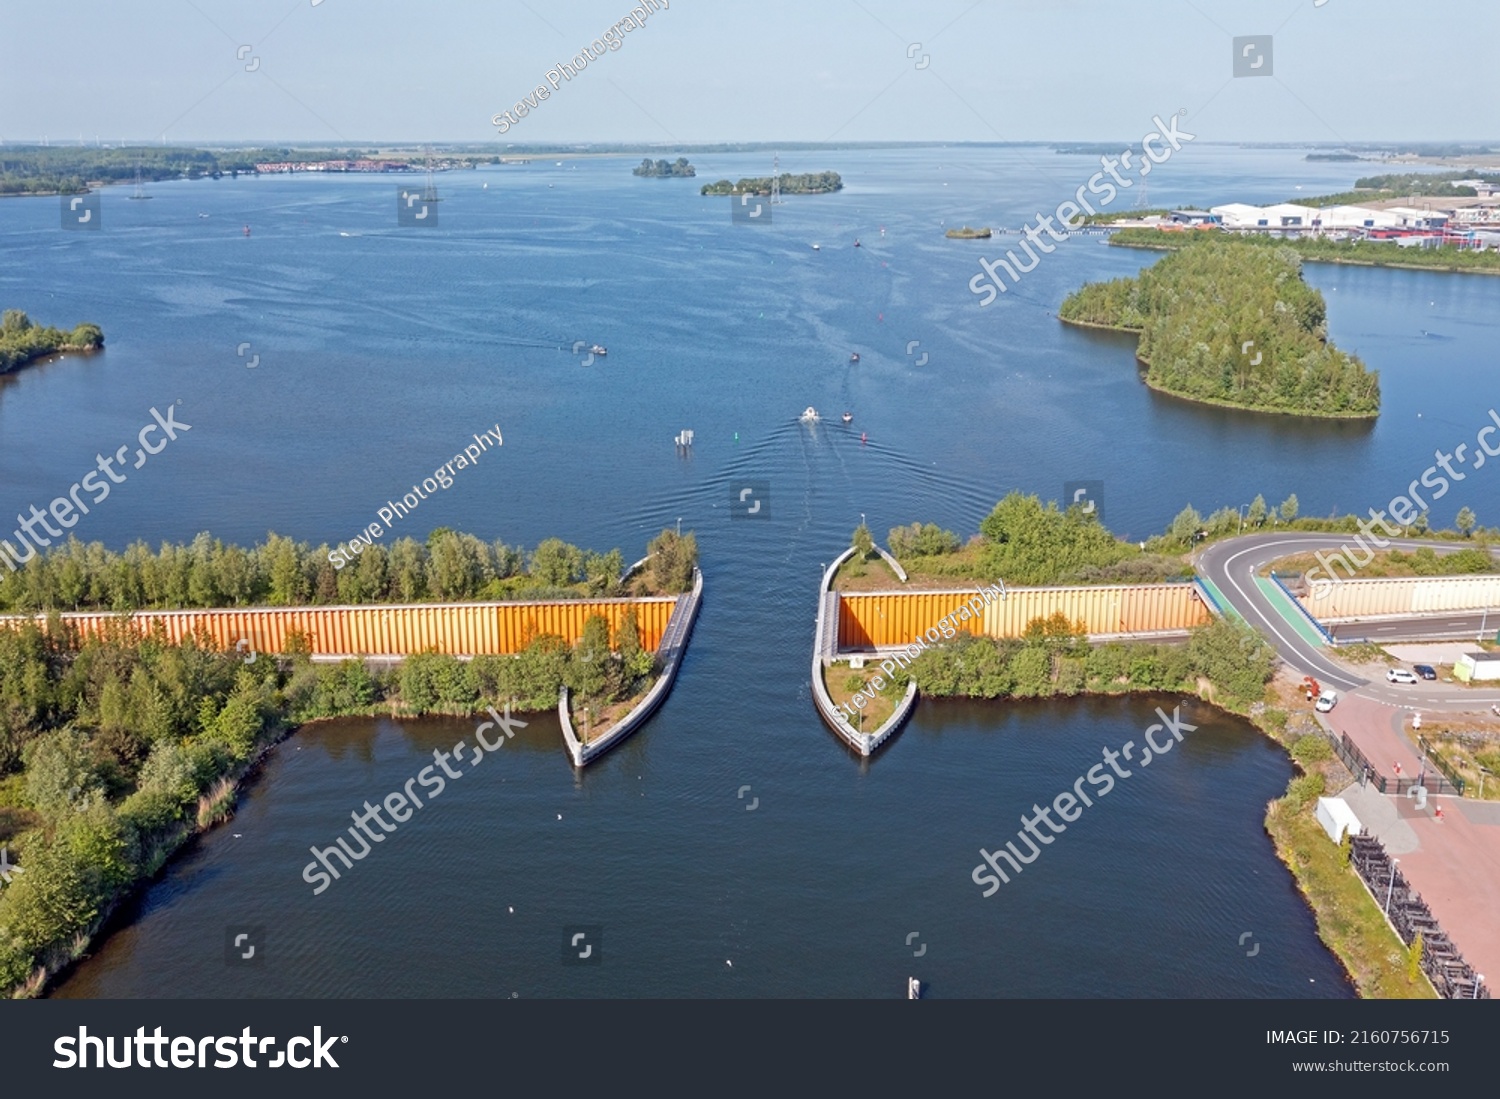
(449, 567)
(22, 340)
(1227, 324)
(1054, 657)
(662, 169)
(808, 183)
(1028, 542)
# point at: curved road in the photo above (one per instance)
(1231, 564)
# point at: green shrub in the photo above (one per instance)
(1312, 748)
(1304, 790)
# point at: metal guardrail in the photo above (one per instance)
(1207, 596)
(1409, 916)
(1441, 763)
(1307, 614)
(1361, 768)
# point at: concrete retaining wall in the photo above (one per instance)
(1371, 598)
(823, 641)
(882, 620)
(458, 629)
(673, 647)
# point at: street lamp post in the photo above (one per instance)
(1483, 618)
(1389, 889)
(679, 526)
(1242, 518)
(1482, 773)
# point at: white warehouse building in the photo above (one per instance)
(1357, 217)
(1283, 215)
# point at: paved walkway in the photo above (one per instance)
(1454, 863)
(1379, 731)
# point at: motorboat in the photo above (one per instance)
(598, 350)
(817, 247)
(847, 417)
(810, 415)
(856, 244)
(854, 358)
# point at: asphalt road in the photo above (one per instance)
(1454, 626)
(1231, 564)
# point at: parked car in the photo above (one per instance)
(1399, 675)
(1426, 671)
(1326, 701)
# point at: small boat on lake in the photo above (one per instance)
(847, 417)
(598, 350)
(810, 415)
(854, 358)
(817, 247)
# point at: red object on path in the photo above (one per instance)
(1397, 766)
(1437, 811)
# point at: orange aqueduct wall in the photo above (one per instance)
(896, 619)
(459, 629)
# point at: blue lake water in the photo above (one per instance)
(381, 351)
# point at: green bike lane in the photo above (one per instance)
(1289, 612)
(1278, 599)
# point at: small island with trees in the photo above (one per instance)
(808, 183)
(22, 341)
(965, 233)
(664, 169)
(1232, 325)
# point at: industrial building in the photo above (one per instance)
(1477, 666)
(1469, 226)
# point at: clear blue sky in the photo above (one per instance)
(745, 70)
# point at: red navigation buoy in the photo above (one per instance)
(247, 230)
(861, 438)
